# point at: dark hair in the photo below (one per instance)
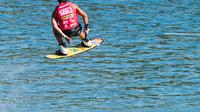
(62, 1)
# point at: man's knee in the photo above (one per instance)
(82, 35)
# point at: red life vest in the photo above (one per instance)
(66, 16)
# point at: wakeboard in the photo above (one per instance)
(77, 49)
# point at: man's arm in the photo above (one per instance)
(82, 13)
(55, 25)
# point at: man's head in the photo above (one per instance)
(60, 1)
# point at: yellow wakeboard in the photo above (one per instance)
(76, 49)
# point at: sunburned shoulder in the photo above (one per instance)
(74, 5)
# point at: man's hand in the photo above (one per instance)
(69, 40)
(86, 29)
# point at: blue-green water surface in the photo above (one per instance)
(149, 62)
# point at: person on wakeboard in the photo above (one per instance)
(65, 24)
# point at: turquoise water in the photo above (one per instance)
(149, 62)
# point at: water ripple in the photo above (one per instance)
(148, 62)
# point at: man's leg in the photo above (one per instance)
(85, 40)
(58, 37)
(62, 45)
(83, 35)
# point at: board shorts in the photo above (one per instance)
(76, 31)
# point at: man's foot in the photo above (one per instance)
(86, 43)
(62, 51)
